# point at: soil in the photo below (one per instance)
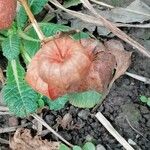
(122, 108)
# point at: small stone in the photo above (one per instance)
(100, 147)
(83, 114)
(147, 116)
(131, 142)
(89, 138)
(13, 121)
(144, 110)
(148, 123)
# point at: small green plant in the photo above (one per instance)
(86, 146)
(145, 100)
(21, 40)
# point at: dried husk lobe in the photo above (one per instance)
(64, 65)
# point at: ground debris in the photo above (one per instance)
(23, 140)
(2, 79)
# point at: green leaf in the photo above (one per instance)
(89, 146)
(21, 17)
(143, 99)
(69, 3)
(77, 148)
(58, 103)
(11, 47)
(86, 99)
(64, 147)
(37, 5)
(41, 103)
(80, 35)
(18, 96)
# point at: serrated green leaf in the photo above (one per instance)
(69, 3)
(37, 5)
(11, 47)
(77, 148)
(58, 103)
(89, 146)
(18, 96)
(64, 147)
(86, 99)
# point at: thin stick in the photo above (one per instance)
(134, 128)
(32, 19)
(4, 108)
(137, 77)
(12, 129)
(102, 4)
(112, 131)
(126, 9)
(5, 113)
(50, 129)
(3, 141)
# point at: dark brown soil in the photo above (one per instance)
(122, 108)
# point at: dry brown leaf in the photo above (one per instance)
(23, 140)
(65, 122)
(2, 79)
(123, 58)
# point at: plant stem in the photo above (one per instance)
(32, 19)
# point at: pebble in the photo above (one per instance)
(83, 114)
(148, 123)
(89, 137)
(100, 147)
(131, 142)
(13, 121)
(144, 110)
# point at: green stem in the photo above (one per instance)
(25, 55)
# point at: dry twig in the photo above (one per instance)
(12, 129)
(32, 19)
(137, 77)
(3, 141)
(3, 108)
(112, 131)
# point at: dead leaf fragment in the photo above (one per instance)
(23, 140)
(65, 122)
(123, 58)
